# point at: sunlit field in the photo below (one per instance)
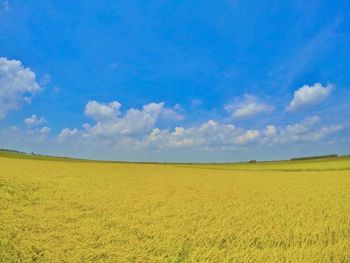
(54, 210)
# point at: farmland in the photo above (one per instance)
(57, 210)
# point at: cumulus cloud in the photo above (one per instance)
(67, 133)
(172, 114)
(248, 136)
(45, 130)
(135, 121)
(17, 85)
(137, 129)
(213, 134)
(308, 130)
(309, 95)
(34, 120)
(110, 121)
(102, 111)
(247, 107)
(37, 135)
(207, 134)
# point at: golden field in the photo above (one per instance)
(56, 210)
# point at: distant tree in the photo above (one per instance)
(314, 157)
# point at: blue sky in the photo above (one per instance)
(175, 81)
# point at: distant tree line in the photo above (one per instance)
(314, 157)
(11, 151)
(15, 151)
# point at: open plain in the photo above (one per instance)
(62, 210)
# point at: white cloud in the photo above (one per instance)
(34, 120)
(270, 131)
(35, 133)
(111, 122)
(248, 136)
(17, 85)
(324, 131)
(309, 95)
(308, 130)
(247, 107)
(38, 135)
(102, 111)
(66, 133)
(207, 134)
(45, 130)
(304, 126)
(171, 114)
(137, 129)
(213, 135)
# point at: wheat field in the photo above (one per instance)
(56, 210)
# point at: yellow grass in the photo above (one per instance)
(64, 211)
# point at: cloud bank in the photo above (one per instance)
(138, 129)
